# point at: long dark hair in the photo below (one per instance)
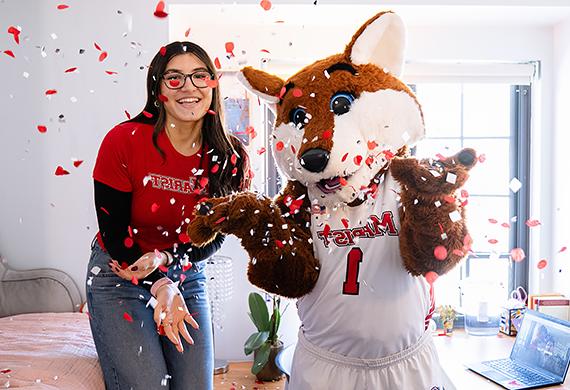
(227, 177)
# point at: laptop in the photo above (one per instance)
(540, 356)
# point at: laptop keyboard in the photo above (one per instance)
(516, 371)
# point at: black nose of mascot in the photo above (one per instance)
(315, 160)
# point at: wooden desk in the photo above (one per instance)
(454, 351)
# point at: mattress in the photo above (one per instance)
(48, 351)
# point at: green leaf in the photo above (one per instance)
(255, 341)
(261, 358)
(276, 320)
(259, 313)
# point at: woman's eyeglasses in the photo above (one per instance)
(176, 80)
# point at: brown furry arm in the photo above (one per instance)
(275, 234)
(423, 224)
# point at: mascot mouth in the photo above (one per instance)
(329, 186)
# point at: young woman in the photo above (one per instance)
(149, 174)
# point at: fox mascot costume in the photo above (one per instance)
(360, 231)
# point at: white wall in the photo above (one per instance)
(561, 142)
(49, 221)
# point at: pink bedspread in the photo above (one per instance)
(48, 351)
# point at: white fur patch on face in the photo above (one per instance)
(286, 138)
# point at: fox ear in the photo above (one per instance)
(380, 41)
(260, 83)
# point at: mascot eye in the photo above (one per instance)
(341, 102)
(299, 117)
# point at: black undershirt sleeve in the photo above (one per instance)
(114, 216)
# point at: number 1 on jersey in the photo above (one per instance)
(351, 284)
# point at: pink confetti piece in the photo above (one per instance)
(212, 83)
(128, 242)
(233, 159)
(203, 182)
(42, 128)
(211, 112)
(15, 33)
(182, 278)
(265, 4)
(217, 63)
(458, 252)
(162, 98)
(343, 158)
(282, 92)
(159, 11)
(431, 277)
(184, 238)
(492, 241)
(187, 32)
(103, 209)
(135, 281)
(492, 220)
(297, 92)
(562, 249)
(186, 267)
(542, 264)
(59, 171)
(261, 150)
(506, 225)
(449, 199)
(154, 207)
(127, 317)
(482, 158)
(464, 194)
(220, 220)
(215, 168)
(230, 48)
(440, 252)
(102, 56)
(517, 254)
(279, 146)
(532, 223)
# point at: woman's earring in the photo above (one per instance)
(156, 104)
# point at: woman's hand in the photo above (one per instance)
(172, 314)
(141, 268)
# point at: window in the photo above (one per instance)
(493, 118)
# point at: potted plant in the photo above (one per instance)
(447, 316)
(264, 343)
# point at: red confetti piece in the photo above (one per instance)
(147, 114)
(440, 252)
(182, 278)
(215, 168)
(388, 154)
(212, 83)
(493, 241)
(532, 223)
(9, 53)
(184, 238)
(127, 114)
(357, 160)
(344, 157)
(217, 63)
(234, 171)
(163, 268)
(128, 242)
(344, 222)
(372, 145)
(186, 267)
(15, 32)
(327, 134)
(517, 254)
(42, 128)
(162, 98)
(222, 219)
(203, 182)
(59, 171)
(102, 56)
(279, 146)
(159, 11)
(440, 157)
(562, 249)
(492, 220)
(482, 158)
(261, 150)
(162, 51)
(211, 112)
(130, 229)
(449, 199)
(464, 194)
(265, 4)
(293, 149)
(279, 243)
(134, 281)
(250, 131)
(369, 161)
(127, 317)
(110, 72)
(431, 277)
(506, 225)
(326, 230)
(51, 92)
(230, 48)
(187, 32)
(97, 46)
(233, 159)
(77, 163)
(62, 6)
(282, 92)
(297, 92)
(154, 207)
(265, 51)
(103, 209)
(542, 264)
(6, 371)
(71, 70)
(124, 265)
(343, 181)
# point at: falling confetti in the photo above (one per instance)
(162, 51)
(15, 32)
(327, 134)
(184, 238)
(102, 56)
(440, 252)
(492, 220)
(62, 6)
(154, 207)
(542, 264)
(77, 163)
(127, 317)
(532, 223)
(297, 92)
(515, 185)
(279, 146)
(187, 32)
(59, 171)
(431, 277)
(70, 70)
(159, 11)
(9, 53)
(230, 48)
(265, 4)
(128, 242)
(517, 254)
(217, 63)
(562, 249)
(42, 129)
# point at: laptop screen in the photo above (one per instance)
(543, 343)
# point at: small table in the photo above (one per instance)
(239, 377)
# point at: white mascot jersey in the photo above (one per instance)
(363, 281)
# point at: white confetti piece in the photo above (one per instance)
(95, 270)
(437, 203)
(405, 136)
(515, 185)
(443, 236)
(26, 75)
(451, 178)
(327, 75)
(146, 179)
(53, 36)
(73, 99)
(172, 200)
(435, 173)
(455, 216)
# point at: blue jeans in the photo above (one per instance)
(132, 354)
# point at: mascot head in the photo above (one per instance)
(341, 119)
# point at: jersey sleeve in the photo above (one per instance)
(112, 164)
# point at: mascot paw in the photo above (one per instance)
(434, 177)
(208, 221)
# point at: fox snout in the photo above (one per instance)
(315, 160)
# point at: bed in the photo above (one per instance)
(45, 342)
